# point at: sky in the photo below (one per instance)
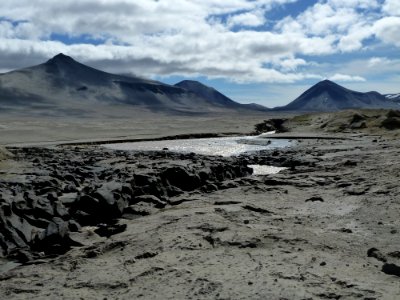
(261, 51)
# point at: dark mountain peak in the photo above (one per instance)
(188, 84)
(329, 96)
(188, 81)
(61, 58)
(327, 84)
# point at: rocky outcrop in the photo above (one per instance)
(392, 120)
(73, 187)
(271, 125)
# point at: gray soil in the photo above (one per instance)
(325, 228)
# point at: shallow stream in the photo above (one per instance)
(224, 146)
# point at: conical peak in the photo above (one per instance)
(61, 58)
(189, 82)
(326, 82)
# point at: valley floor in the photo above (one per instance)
(326, 228)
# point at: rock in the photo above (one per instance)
(391, 269)
(271, 125)
(55, 239)
(150, 199)
(73, 226)
(107, 230)
(60, 210)
(52, 197)
(68, 199)
(70, 188)
(227, 202)
(143, 180)
(43, 209)
(72, 179)
(181, 178)
(395, 254)
(350, 163)
(393, 114)
(392, 120)
(356, 190)
(140, 209)
(209, 188)
(21, 255)
(5, 154)
(358, 121)
(375, 253)
(315, 199)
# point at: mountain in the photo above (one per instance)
(215, 97)
(329, 96)
(207, 92)
(393, 97)
(63, 85)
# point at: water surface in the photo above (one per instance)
(224, 146)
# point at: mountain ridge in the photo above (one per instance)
(61, 83)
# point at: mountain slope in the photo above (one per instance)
(215, 97)
(63, 84)
(329, 96)
(207, 92)
(393, 97)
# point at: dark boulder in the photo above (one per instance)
(271, 125)
(107, 230)
(181, 178)
(375, 253)
(391, 123)
(391, 269)
(55, 238)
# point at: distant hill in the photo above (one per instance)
(63, 85)
(329, 96)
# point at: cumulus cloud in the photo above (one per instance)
(248, 19)
(388, 30)
(391, 7)
(219, 39)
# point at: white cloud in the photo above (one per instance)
(193, 37)
(250, 19)
(363, 4)
(377, 62)
(388, 30)
(391, 7)
(346, 78)
(353, 40)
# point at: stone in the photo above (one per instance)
(181, 178)
(375, 253)
(151, 199)
(315, 199)
(391, 269)
(107, 230)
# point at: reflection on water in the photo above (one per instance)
(225, 146)
(265, 170)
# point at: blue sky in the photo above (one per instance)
(262, 51)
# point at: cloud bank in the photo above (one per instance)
(233, 40)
